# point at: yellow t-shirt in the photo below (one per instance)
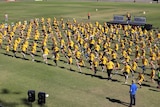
(127, 69)
(110, 65)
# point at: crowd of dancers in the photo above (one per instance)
(101, 47)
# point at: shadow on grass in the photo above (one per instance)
(25, 102)
(154, 90)
(72, 70)
(8, 104)
(38, 61)
(146, 85)
(6, 91)
(62, 67)
(7, 54)
(29, 104)
(117, 101)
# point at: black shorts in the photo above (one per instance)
(113, 60)
(125, 73)
(95, 69)
(101, 64)
(109, 71)
(90, 61)
(14, 51)
(24, 52)
(91, 46)
(70, 47)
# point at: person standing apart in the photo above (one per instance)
(6, 17)
(133, 90)
(89, 15)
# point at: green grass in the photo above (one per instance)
(68, 10)
(66, 88)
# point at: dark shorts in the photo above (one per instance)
(109, 71)
(143, 68)
(95, 69)
(125, 73)
(90, 61)
(91, 46)
(14, 51)
(101, 64)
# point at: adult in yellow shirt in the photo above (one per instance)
(110, 66)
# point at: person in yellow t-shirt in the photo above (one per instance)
(104, 61)
(70, 61)
(91, 58)
(24, 49)
(91, 42)
(153, 59)
(95, 65)
(127, 59)
(127, 69)
(45, 54)
(110, 66)
(117, 67)
(153, 73)
(97, 49)
(7, 49)
(33, 50)
(70, 44)
(114, 56)
(116, 47)
(78, 55)
(140, 79)
(134, 66)
(57, 56)
(15, 46)
(80, 63)
(144, 64)
(55, 51)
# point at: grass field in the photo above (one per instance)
(66, 88)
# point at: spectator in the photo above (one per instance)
(88, 15)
